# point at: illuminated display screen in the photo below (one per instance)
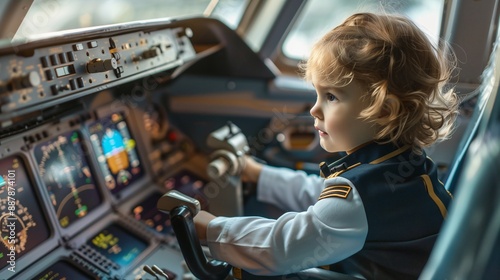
(117, 245)
(67, 177)
(23, 225)
(62, 270)
(189, 184)
(116, 152)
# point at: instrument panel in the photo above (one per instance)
(41, 73)
(86, 194)
(86, 152)
(86, 187)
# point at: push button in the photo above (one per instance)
(78, 47)
(53, 59)
(54, 89)
(45, 61)
(62, 58)
(71, 56)
(92, 44)
(49, 75)
(79, 82)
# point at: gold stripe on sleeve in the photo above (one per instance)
(335, 191)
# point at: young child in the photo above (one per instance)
(378, 210)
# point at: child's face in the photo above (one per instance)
(336, 116)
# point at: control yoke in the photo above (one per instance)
(182, 210)
(231, 145)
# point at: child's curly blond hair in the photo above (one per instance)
(404, 72)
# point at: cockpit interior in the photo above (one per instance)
(105, 106)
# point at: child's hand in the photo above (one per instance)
(251, 170)
(201, 221)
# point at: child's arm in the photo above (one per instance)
(251, 171)
(290, 190)
(201, 221)
(327, 232)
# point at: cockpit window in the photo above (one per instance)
(319, 16)
(46, 16)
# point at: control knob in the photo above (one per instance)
(98, 65)
(32, 79)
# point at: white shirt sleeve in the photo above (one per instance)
(327, 232)
(288, 189)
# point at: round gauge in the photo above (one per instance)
(21, 221)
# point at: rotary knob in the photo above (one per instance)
(32, 79)
(98, 65)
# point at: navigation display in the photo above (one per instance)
(62, 270)
(116, 152)
(23, 225)
(117, 245)
(67, 177)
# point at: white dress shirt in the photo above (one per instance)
(313, 233)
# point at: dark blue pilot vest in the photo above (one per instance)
(405, 205)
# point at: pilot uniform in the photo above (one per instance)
(376, 214)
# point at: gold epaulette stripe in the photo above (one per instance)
(333, 175)
(391, 155)
(358, 147)
(335, 191)
(434, 197)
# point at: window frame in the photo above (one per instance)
(456, 14)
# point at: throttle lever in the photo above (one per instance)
(174, 198)
(182, 209)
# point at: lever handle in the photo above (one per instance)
(174, 198)
(180, 208)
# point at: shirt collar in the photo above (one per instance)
(368, 153)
